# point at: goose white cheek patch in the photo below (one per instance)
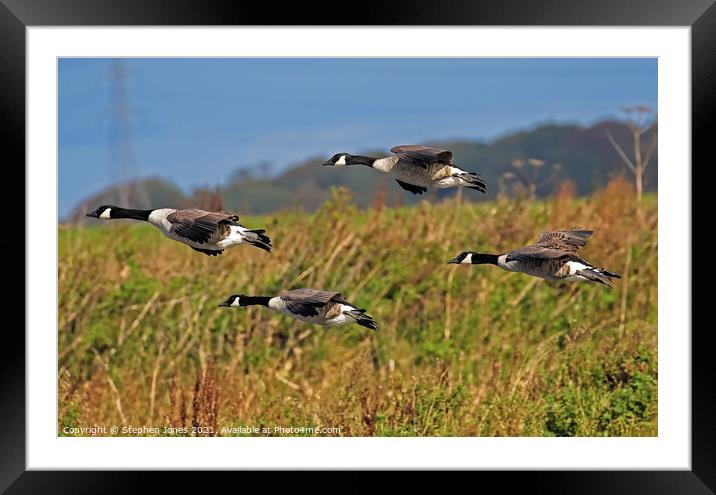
(105, 214)
(235, 303)
(467, 260)
(341, 161)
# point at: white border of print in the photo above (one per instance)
(670, 450)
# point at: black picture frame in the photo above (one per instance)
(16, 15)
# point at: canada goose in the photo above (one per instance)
(552, 257)
(204, 231)
(310, 305)
(416, 167)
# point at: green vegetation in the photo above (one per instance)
(459, 350)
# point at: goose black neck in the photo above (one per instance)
(484, 259)
(254, 300)
(361, 160)
(130, 213)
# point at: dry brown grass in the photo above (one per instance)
(459, 350)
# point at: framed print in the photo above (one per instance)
(423, 242)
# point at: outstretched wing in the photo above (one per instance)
(312, 296)
(534, 252)
(553, 245)
(308, 302)
(567, 240)
(422, 156)
(410, 187)
(199, 225)
(302, 309)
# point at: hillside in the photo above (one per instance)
(144, 194)
(583, 154)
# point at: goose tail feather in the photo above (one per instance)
(363, 319)
(257, 238)
(594, 275)
(473, 181)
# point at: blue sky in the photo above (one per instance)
(194, 121)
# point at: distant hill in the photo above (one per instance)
(584, 156)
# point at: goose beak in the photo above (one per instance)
(454, 261)
(327, 163)
(93, 214)
(225, 304)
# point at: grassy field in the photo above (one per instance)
(460, 350)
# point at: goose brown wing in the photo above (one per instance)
(201, 226)
(553, 245)
(565, 240)
(536, 252)
(422, 156)
(312, 296)
(308, 302)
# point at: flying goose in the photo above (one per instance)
(310, 305)
(552, 257)
(204, 231)
(416, 167)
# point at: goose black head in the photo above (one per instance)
(231, 302)
(341, 159)
(338, 160)
(104, 212)
(465, 257)
(473, 258)
(242, 301)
